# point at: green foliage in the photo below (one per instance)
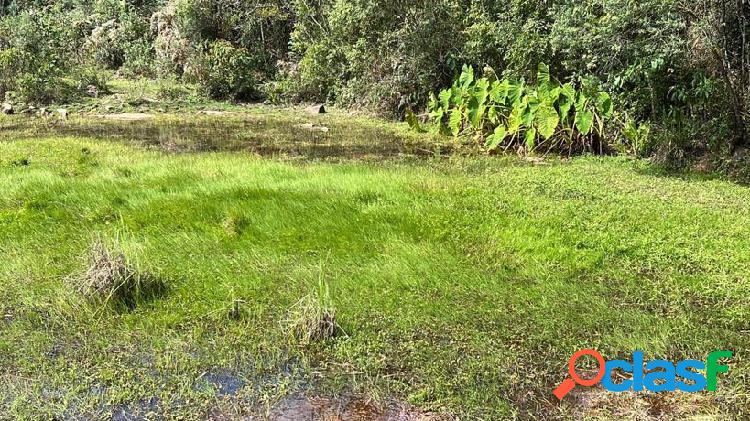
(32, 56)
(637, 136)
(90, 76)
(385, 56)
(674, 63)
(224, 71)
(507, 113)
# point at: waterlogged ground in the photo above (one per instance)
(461, 284)
(264, 131)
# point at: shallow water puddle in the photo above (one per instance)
(265, 135)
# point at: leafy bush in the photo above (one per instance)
(33, 52)
(380, 55)
(172, 90)
(87, 77)
(507, 113)
(224, 71)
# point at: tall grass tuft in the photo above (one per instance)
(111, 279)
(313, 317)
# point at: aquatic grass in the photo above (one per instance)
(463, 284)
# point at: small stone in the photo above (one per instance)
(8, 108)
(316, 109)
(63, 113)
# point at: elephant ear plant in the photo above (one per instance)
(512, 114)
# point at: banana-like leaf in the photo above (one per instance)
(546, 120)
(584, 121)
(604, 104)
(496, 138)
(456, 120)
(445, 99)
(530, 139)
(467, 77)
(499, 91)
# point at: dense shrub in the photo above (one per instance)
(224, 71)
(383, 55)
(33, 51)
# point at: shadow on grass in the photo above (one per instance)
(688, 174)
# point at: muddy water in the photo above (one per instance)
(262, 135)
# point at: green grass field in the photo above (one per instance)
(463, 284)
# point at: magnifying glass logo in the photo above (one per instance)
(570, 383)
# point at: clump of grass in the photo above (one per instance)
(313, 317)
(112, 279)
(237, 310)
(234, 225)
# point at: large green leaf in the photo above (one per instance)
(481, 91)
(569, 91)
(445, 99)
(496, 138)
(533, 102)
(547, 120)
(499, 91)
(467, 77)
(530, 138)
(542, 74)
(493, 114)
(433, 105)
(584, 121)
(476, 114)
(604, 104)
(566, 101)
(456, 120)
(543, 79)
(553, 95)
(529, 111)
(581, 101)
(516, 118)
(515, 92)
